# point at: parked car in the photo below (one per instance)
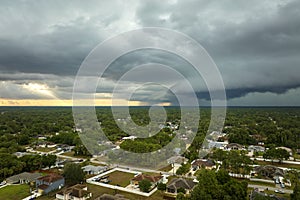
(281, 192)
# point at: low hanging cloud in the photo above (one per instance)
(255, 44)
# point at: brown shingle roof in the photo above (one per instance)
(152, 179)
(202, 162)
(50, 178)
(76, 191)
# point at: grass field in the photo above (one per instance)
(14, 192)
(98, 191)
(45, 149)
(262, 183)
(71, 154)
(166, 168)
(120, 178)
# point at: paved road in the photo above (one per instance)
(284, 161)
(260, 187)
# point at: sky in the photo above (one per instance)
(255, 44)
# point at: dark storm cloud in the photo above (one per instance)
(58, 52)
(255, 44)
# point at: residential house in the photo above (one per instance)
(177, 183)
(23, 178)
(111, 197)
(234, 146)
(203, 163)
(21, 154)
(217, 134)
(269, 171)
(215, 144)
(132, 137)
(177, 160)
(255, 148)
(76, 192)
(153, 179)
(49, 183)
(91, 169)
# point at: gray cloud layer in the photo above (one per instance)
(255, 44)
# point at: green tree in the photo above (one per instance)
(296, 192)
(73, 173)
(274, 153)
(23, 139)
(222, 176)
(208, 187)
(49, 160)
(181, 190)
(218, 186)
(145, 185)
(180, 196)
(183, 169)
(161, 186)
(235, 189)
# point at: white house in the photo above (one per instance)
(91, 169)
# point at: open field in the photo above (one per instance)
(98, 191)
(46, 150)
(120, 178)
(14, 192)
(71, 154)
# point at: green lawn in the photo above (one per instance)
(71, 154)
(46, 150)
(262, 183)
(98, 191)
(120, 178)
(166, 168)
(14, 192)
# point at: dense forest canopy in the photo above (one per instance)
(273, 126)
(22, 126)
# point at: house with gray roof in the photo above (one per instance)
(255, 148)
(23, 178)
(177, 183)
(91, 169)
(269, 171)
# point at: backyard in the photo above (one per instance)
(14, 192)
(120, 178)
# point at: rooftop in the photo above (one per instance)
(152, 179)
(50, 178)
